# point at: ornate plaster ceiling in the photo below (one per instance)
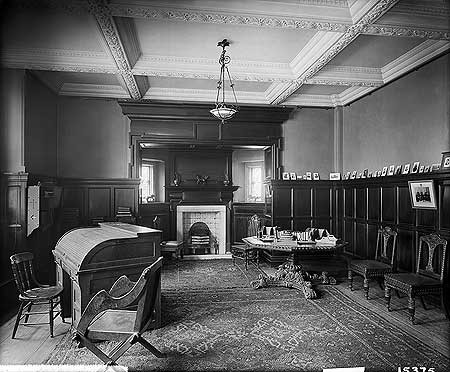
(283, 52)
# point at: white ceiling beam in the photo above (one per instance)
(106, 23)
(351, 34)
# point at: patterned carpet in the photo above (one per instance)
(213, 321)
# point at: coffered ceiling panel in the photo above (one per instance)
(50, 29)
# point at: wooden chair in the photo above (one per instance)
(108, 315)
(31, 292)
(246, 252)
(384, 262)
(426, 280)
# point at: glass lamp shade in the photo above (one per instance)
(223, 112)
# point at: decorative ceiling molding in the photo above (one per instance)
(275, 89)
(414, 8)
(351, 94)
(58, 60)
(203, 68)
(99, 9)
(319, 100)
(167, 14)
(93, 90)
(348, 75)
(204, 95)
(371, 16)
(317, 45)
(413, 58)
(401, 31)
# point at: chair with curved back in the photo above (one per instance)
(110, 315)
(384, 262)
(428, 278)
(31, 292)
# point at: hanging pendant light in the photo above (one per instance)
(224, 111)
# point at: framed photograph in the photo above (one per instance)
(316, 176)
(347, 175)
(435, 167)
(391, 170)
(406, 168)
(369, 175)
(422, 169)
(305, 177)
(427, 169)
(422, 194)
(308, 175)
(353, 175)
(293, 176)
(365, 173)
(384, 172)
(286, 176)
(445, 162)
(415, 167)
(335, 176)
(398, 170)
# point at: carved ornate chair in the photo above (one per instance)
(428, 278)
(384, 262)
(108, 315)
(200, 238)
(31, 292)
(245, 252)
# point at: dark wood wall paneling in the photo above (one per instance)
(99, 198)
(13, 230)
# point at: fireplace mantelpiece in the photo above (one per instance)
(201, 194)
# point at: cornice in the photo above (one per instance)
(171, 14)
(376, 12)
(351, 94)
(91, 90)
(109, 30)
(414, 58)
(310, 100)
(58, 60)
(420, 9)
(202, 95)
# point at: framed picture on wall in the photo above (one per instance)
(353, 175)
(285, 176)
(406, 168)
(384, 172)
(293, 176)
(445, 162)
(308, 175)
(398, 170)
(335, 176)
(415, 167)
(422, 194)
(316, 176)
(391, 170)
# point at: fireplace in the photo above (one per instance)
(214, 216)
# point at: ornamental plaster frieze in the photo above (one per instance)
(377, 11)
(320, 100)
(401, 31)
(62, 67)
(423, 9)
(348, 75)
(167, 14)
(319, 81)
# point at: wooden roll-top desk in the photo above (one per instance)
(90, 259)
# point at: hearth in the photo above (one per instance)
(214, 216)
